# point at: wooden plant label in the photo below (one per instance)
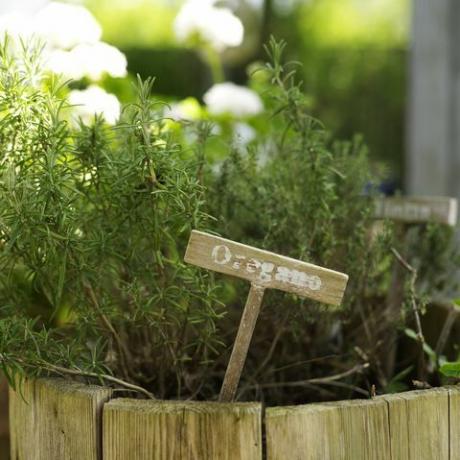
(441, 210)
(264, 270)
(405, 211)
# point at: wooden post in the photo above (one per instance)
(407, 211)
(168, 430)
(242, 341)
(355, 430)
(417, 425)
(4, 426)
(54, 419)
(433, 150)
(264, 270)
(454, 422)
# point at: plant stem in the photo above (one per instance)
(109, 378)
(215, 64)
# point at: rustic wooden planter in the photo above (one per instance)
(59, 420)
(4, 428)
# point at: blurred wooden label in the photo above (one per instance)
(265, 268)
(442, 210)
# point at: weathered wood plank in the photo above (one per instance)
(23, 432)
(4, 424)
(352, 430)
(454, 422)
(418, 209)
(419, 424)
(242, 341)
(265, 269)
(55, 419)
(170, 430)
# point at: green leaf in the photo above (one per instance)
(426, 348)
(450, 369)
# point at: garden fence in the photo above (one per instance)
(55, 420)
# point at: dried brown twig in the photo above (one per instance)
(317, 381)
(415, 307)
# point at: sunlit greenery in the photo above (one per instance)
(353, 52)
(135, 22)
(380, 23)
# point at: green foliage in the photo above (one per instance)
(451, 369)
(94, 223)
(141, 23)
(381, 23)
(93, 226)
(299, 193)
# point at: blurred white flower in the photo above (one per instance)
(61, 62)
(88, 60)
(243, 133)
(217, 26)
(16, 25)
(228, 98)
(94, 101)
(101, 58)
(64, 26)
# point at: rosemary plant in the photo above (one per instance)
(93, 226)
(299, 193)
(94, 223)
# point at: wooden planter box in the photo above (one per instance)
(58, 420)
(4, 446)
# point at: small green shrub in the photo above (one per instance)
(94, 222)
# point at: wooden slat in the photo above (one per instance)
(419, 425)
(355, 430)
(23, 432)
(454, 422)
(4, 424)
(169, 430)
(55, 419)
(265, 269)
(418, 209)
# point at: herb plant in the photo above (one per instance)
(94, 221)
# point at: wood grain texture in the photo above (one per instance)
(170, 430)
(242, 342)
(418, 209)
(352, 430)
(419, 425)
(4, 427)
(265, 268)
(55, 419)
(23, 429)
(454, 422)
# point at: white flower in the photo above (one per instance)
(94, 101)
(228, 98)
(88, 60)
(16, 25)
(101, 58)
(61, 62)
(243, 133)
(65, 26)
(217, 26)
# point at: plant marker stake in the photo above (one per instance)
(408, 211)
(264, 270)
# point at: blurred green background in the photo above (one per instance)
(353, 53)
